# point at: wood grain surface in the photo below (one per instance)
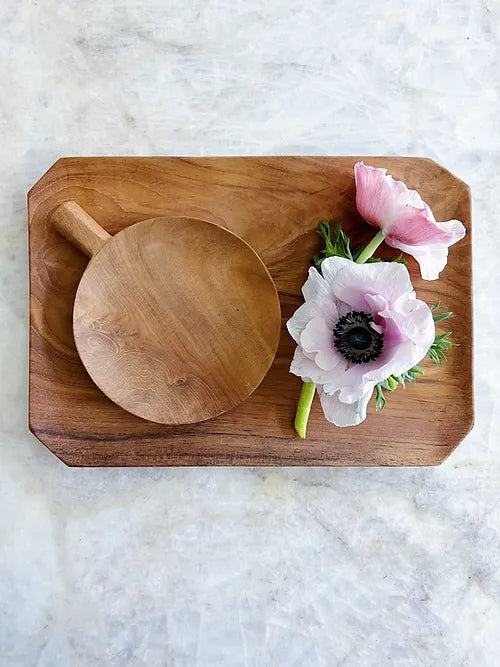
(273, 203)
(176, 319)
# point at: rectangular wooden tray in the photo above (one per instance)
(274, 203)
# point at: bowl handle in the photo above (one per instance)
(79, 228)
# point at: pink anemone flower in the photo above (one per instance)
(406, 221)
(360, 323)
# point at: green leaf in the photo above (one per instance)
(379, 398)
(442, 341)
(393, 383)
(433, 355)
(443, 316)
(337, 243)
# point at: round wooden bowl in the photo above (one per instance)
(175, 319)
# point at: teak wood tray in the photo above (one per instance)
(274, 203)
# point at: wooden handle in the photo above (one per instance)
(79, 228)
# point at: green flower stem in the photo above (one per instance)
(304, 408)
(368, 251)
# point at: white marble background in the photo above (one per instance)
(254, 567)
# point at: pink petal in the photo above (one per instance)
(405, 218)
(376, 303)
(343, 414)
(414, 320)
(379, 198)
(414, 226)
(373, 195)
(432, 257)
(355, 281)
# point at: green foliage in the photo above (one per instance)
(338, 244)
(393, 382)
(442, 342)
(439, 318)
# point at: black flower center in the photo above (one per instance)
(356, 339)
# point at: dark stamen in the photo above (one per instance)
(356, 339)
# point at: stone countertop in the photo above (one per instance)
(251, 567)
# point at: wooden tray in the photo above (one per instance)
(274, 203)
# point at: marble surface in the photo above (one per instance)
(215, 567)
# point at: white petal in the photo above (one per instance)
(454, 228)
(302, 366)
(355, 281)
(308, 369)
(325, 309)
(331, 266)
(343, 414)
(315, 287)
(301, 317)
(354, 383)
(431, 258)
(317, 338)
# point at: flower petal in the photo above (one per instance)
(343, 414)
(317, 338)
(325, 309)
(414, 226)
(299, 320)
(308, 369)
(405, 218)
(314, 287)
(380, 198)
(432, 257)
(376, 303)
(355, 281)
(302, 366)
(331, 266)
(409, 331)
(374, 199)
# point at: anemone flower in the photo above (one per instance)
(360, 324)
(405, 221)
